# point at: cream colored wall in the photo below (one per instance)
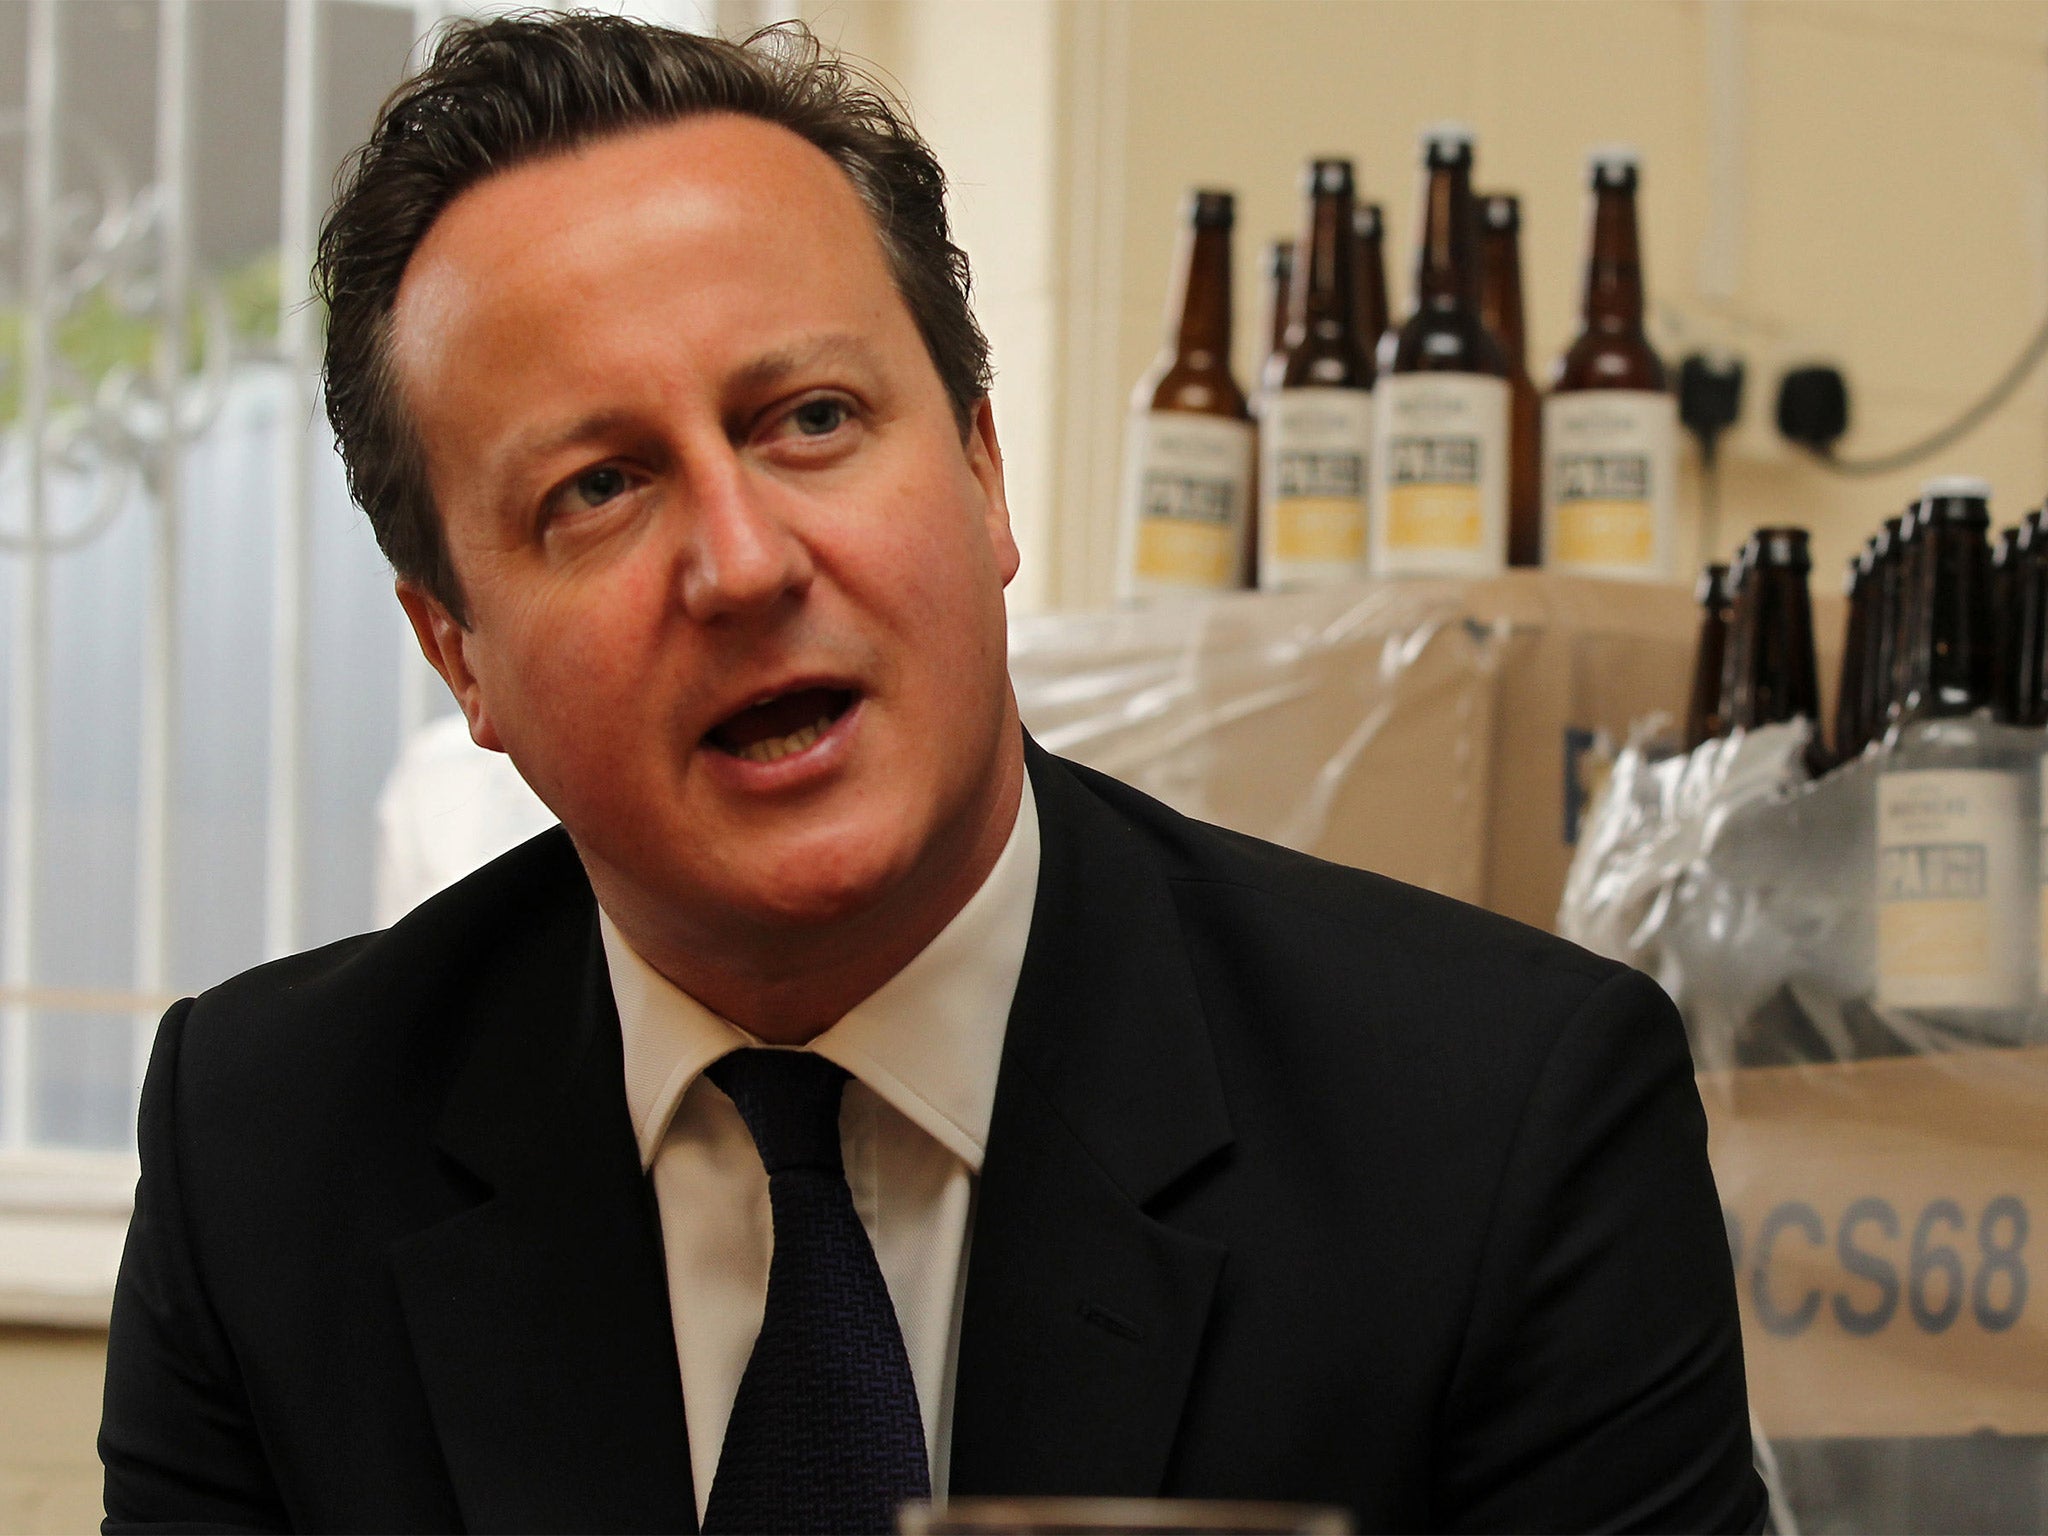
(49, 1418)
(1887, 207)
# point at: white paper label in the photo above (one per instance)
(1315, 449)
(1186, 503)
(1953, 900)
(1609, 461)
(1440, 475)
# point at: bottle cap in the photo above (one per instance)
(1446, 142)
(1365, 221)
(1783, 548)
(1956, 487)
(1500, 210)
(1712, 588)
(1329, 175)
(1212, 209)
(1961, 499)
(1280, 258)
(1613, 165)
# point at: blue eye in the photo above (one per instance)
(816, 418)
(595, 487)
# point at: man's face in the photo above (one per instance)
(734, 581)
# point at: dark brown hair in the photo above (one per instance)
(502, 92)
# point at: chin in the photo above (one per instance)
(819, 888)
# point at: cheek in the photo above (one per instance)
(572, 649)
(931, 544)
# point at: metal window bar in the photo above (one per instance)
(167, 485)
(288, 601)
(31, 621)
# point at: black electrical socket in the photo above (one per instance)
(1709, 398)
(1813, 407)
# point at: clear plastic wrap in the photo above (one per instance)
(1884, 1169)
(1300, 718)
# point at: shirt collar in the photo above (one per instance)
(929, 1041)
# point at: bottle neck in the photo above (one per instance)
(1324, 296)
(1370, 271)
(1703, 719)
(1784, 675)
(1952, 662)
(1447, 268)
(1500, 294)
(1280, 273)
(1202, 337)
(1614, 268)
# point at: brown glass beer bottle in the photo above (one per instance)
(1440, 460)
(1703, 718)
(1909, 611)
(1950, 667)
(1189, 448)
(1279, 284)
(1781, 678)
(2030, 625)
(1741, 632)
(1957, 817)
(1610, 426)
(2005, 570)
(1881, 637)
(1315, 418)
(1369, 274)
(1849, 726)
(1500, 306)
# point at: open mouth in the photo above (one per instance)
(778, 727)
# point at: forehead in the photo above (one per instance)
(714, 219)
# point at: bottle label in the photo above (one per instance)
(1314, 446)
(1187, 500)
(1441, 493)
(1951, 890)
(1609, 467)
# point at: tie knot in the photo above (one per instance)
(790, 1101)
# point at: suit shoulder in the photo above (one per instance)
(387, 995)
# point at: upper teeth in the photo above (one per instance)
(781, 746)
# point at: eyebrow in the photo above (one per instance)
(763, 372)
(771, 368)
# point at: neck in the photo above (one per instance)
(1444, 268)
(787, 983)
(1614, 275)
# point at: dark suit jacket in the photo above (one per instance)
(1301, 1184)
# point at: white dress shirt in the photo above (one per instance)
(923, 1053)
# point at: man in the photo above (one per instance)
(1118, 1154)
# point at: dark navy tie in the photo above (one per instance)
(825, 1434)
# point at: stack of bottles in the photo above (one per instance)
(1421, 447)
(1943, 690)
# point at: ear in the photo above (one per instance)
(985, 463)
(442, 642)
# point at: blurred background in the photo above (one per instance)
(207, 682)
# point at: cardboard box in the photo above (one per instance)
(1883, 1217)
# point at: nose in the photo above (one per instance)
(742, 556)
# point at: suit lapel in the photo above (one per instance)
(539, 1317)
(1084, 1315)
